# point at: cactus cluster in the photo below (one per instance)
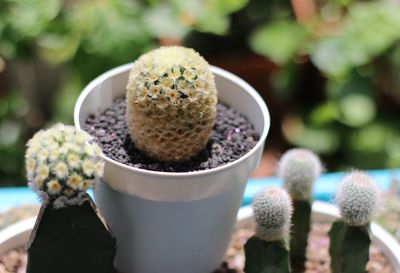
(272, 212)
(357, 198)
(299, 168)
(267, 250)
(62, 161)
(171, 103)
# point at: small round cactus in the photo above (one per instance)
(171, 103)
(272, 212)
(299, 168)
(357, 198)
(62, 161)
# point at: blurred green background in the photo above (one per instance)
(328, 70)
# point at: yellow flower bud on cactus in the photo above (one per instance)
(171, 103)
(62, 161)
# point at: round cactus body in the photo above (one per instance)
(171, 103)
(62, 161)
(272, 212)
(299, 168)
(357, 198)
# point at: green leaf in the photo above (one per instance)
(225, 6)
(112, 30)
(323, 140)
(162, 21)
(57, 48)
(356, 43)
(212, 22)
(372, 138)
(266, 257)
(354, 99)
(357, 109)
(324, 113)
(278, 41)
(328, 55)
(393, 150)
(28, 18)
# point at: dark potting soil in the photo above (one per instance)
(232, 137)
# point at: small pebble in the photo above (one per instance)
(11, 261)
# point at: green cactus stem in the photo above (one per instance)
(266, 256)
(299, 168)
(62, 163)
(349, 247)
(357, 198)
(70, 239)
(267, 251)
(299, 232)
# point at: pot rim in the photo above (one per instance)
(216, 71)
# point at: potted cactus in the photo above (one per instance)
(268, 249)
(357, 198)
(68, 236)
(172, 101)
(299, 168)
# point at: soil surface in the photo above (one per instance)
(232, 137)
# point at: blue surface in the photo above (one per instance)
(324, 188)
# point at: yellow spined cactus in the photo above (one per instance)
(171, 103)
(62, 161)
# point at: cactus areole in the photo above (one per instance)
(171, 103)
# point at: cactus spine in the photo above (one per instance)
(267, 251)
(299, 168)
(357, 198)
(171, 103)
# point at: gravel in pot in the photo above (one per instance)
(232, 137)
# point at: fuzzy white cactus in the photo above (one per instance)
(272, 212)
(358, 198)
(171, 103)
(62, 161)
(299, 168)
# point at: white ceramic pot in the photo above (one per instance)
(173, 222)
(17, 235)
